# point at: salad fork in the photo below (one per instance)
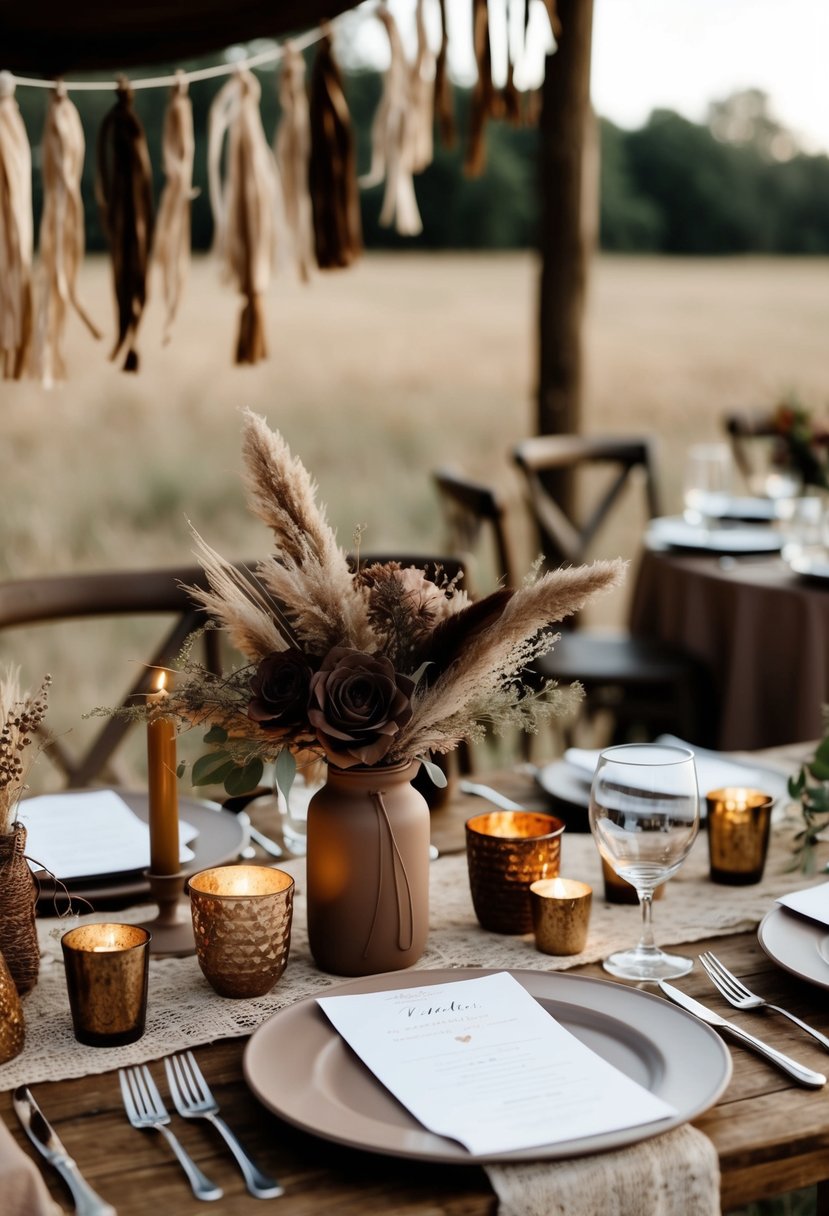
(194, 1100)
(741, 997)
(144, 1108)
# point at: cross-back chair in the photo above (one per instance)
(744, 428)
(470, 510)
(159, 592)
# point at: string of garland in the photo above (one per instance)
(297, 201)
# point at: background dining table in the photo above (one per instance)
(771, 1135)
(760, 631)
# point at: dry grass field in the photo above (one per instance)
(375, 376)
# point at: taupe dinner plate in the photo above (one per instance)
(796, 944)
(298, 1066)
(220, 839)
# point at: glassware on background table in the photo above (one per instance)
(801, 521)
(709, 471)
(644, 816)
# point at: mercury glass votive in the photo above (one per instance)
(507, 851)
(107, 967)
(738, 834)
(561, 914)
(242, 924)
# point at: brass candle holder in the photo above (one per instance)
(106, 979)
(561, 915)
(738, 834)
(172, 928)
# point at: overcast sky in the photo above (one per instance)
(675, 54)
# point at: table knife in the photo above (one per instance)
(805, 1076)
(48, 1143)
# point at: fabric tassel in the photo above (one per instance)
(124, 188)
(332, 171)
(483, 95)
(171, 247)
(16, 235)
(293, 152)
(422, 98)
(245, 204)
(444, 97)
(61, 235)
(510, 96)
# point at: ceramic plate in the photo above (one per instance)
(810, 566)
(796, 944)
(299, 1067)
(569, 785)
(220, 839)
(675, 532)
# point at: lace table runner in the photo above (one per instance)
(184, 1011)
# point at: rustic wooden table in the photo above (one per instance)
(772, 1136)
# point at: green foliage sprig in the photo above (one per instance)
(810, 788)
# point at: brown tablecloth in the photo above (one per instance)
(762, 632)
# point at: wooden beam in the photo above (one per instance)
(568, 225)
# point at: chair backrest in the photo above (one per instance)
(469, 509)
(111, 594)
(744, 428)
(564, 537)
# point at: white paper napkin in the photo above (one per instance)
(91, 832)
(813, 902)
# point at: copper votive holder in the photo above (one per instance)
(506, 851)
(106, 977)
(738, 834)
(242, 924)
(561, 914)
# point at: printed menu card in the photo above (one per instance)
(482, 1062)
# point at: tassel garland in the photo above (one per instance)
(16, 235)
(444, 100)
(293, 151)
(245, 205)
(332, 172)
(61, 235)
(171, 247)
(483, 95)
(124, 190)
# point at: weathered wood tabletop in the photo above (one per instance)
(772, 1135)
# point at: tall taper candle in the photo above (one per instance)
(163, 786)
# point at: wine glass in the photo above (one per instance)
(644, 816)
(708, 475)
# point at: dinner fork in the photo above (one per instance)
(144, 1108)
(741, 997)
(194, 1100)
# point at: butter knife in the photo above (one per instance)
(48, 1143)
(801, 1074)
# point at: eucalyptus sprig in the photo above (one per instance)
(810, 788)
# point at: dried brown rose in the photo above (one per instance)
(281, 689)
(358, 705)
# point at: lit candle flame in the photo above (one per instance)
(160, 681)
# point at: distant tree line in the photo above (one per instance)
(737, 184)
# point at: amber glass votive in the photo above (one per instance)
(618, 890)
(506, 851)
(738, 834)
(561, 914)
(242, 925)
(106, 978)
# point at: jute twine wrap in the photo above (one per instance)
(18, 894)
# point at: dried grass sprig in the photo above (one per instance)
(21, 715)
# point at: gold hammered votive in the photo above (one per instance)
(738, 834)
(107, 967)
(561, 914)
(242, 924)
(507, 851)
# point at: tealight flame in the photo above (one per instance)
(160, 681)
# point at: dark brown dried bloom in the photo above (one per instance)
(281, 688)
(358, 705)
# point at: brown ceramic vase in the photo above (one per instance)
(368, 871)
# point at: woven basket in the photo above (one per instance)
(18, 896)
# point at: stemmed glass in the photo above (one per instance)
(644, 816)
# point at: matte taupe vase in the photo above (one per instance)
(368, 871)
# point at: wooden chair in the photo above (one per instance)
(111, 594)
(646, 684)
(470, 510)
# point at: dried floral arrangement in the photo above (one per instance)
(21, 715)
(360, 663)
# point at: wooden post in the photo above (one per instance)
(568, 219)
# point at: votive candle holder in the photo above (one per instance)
(107, 967)
(507, 851)
(739, 821)
(242, 924)
(561, 915)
